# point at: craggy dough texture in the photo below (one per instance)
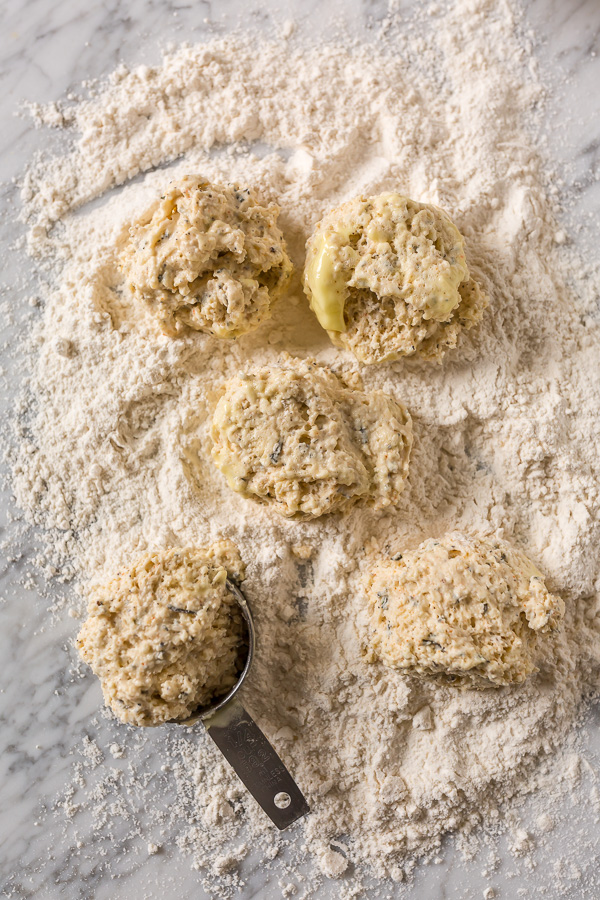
(469, 610)
(387, 277)
(165, 636)
(297, 437)
(207, 256)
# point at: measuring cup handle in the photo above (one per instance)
(254, 760)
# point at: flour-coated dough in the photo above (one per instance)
(387, 277)
(207, 256)
(467, 609)
(164, 636)
(295, 436)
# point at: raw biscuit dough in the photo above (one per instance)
(296, 436)
(209, 257)
(387, 277)
(467, 609)
(165, 636)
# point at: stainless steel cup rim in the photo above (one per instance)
(205, 712)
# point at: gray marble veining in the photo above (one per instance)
(48, 706)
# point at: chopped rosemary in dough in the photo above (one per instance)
(295, 436)
(387, 277)
(208, 257)
(165, 636)
(466, 609)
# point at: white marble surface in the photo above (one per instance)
(48, 47)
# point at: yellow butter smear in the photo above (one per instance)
(328, 286)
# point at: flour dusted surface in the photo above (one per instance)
(505, 429)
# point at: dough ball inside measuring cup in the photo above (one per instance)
(297, 437)
(209, 257)
(165, 636)
(387, 277)
(472, 611)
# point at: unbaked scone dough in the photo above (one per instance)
(207, 256)
(164, 637)
(295, 436)
(467, 609)
(387, 277)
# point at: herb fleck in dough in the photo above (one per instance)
(209, 257)
(387, 277)
(164, 637)
(296, 436)
(467, 609)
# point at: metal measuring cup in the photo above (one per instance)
(245, 747)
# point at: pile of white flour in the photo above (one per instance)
(113, 457)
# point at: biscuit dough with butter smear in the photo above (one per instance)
(387, 277)
(468, 610)
(296, 436)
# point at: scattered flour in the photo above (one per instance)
(113, 455)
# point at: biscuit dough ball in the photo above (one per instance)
(387, 277)
(295, 436)
(165, 636)
(207, 256)
(466, 609)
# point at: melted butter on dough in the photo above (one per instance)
(208, 257)
(296, 436)
(387, 277)
(165, 636)
(470, 610)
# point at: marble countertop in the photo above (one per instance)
(46, 713)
